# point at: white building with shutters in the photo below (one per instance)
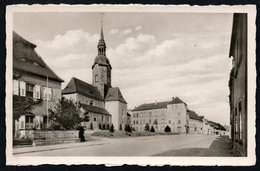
(32, 79)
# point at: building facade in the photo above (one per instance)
(238, 83)
(100, 94)
(32, 79)
(160, 114)
(195, 123)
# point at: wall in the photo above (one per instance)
(193, 123)
(118, 110)
(176, 112)
(140, 118)
(84, 99)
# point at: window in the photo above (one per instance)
(44, 119)
(150, 121)
(150, 113)
(91, 102)
(29, 119)
(95, 119)
(179, 121)
(169, 121)
(29, 90)
(122, 112)
(96, 78)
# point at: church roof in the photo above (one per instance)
(150, 106)
(193, 115)
(176, 100)
(101, 60)
(114, 94)
(78, 86)
(94, 109)
(25, 59)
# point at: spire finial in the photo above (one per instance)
(101, 34)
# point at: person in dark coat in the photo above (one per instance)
(81, 134)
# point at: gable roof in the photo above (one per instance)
(25, 59)
(78, 86)
(114, 94)
(193, 115)
(216, 125)
(176, 100)
(94, 109)
(150, 106)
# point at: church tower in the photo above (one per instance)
(101, 68)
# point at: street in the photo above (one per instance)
(159, 145)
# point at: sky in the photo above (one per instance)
(154, 56)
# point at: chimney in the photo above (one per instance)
(172, 98)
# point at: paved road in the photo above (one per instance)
(133, 146)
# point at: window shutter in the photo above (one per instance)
(15, 87)
(34, 92)
(37, 91)
(22, 88)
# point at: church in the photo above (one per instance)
(104, 104)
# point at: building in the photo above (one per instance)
(33, 79)
(238, 83)
(91, 101)
(100, 94)
(160, 114)
(177, 116)
(195, 123)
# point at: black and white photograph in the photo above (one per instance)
(133, 84)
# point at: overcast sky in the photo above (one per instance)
(154, 56)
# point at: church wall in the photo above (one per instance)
(118, 110)
(113, 108)
(84, 99)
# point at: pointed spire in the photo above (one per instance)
(101, 33)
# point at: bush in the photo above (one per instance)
(104, 126)
(167, 129)
(152, 129)
(128, 128)
(147, 127)
(112, 129)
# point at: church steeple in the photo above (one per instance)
(101, 67)
(101, 43)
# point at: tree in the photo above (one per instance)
(22, 105)
(67, 114)
(112, 128)
(152, 129)
(107, 128)
(167, 129)
(147, 127)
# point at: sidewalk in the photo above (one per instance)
(88, 142)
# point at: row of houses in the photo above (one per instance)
(176, 115)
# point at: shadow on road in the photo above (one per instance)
(219, 147)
